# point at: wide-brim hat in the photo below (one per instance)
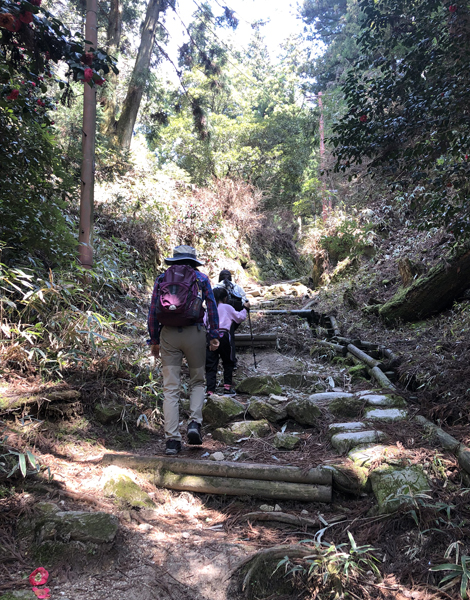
(184, 253)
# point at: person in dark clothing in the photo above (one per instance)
(227, 316)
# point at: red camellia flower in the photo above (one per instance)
(13, 95)
(26, 17)
(466, 157)
(35, 2)
(88, 75)
(33, 84)
(87, 58)
(16, 26)
(40, 102)
(38, 577)
(42, 593)
(100, 81)
(6, 20)
(363, 118)
(52, 122)
(453, 7)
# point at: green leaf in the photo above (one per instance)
(22, 462)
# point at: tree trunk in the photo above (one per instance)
(125, 125)
(113, 40)
(432, 293)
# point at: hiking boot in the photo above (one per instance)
(173, 447)
(194, 434)
(229, 391)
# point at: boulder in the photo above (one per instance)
(304, 411)
(394, 487)
(273, 409)
(261, 386)
(343, 442)
(242, 429)
(126, 492)
(219, 410)
(55, 536)
(285, 441)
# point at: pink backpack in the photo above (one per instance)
(179, 298)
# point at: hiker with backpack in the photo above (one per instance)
(176, 328)
(227, 317)
(236, 295)
(236, 298)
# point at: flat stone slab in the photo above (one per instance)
(394, 487)
(343, 442)
(385, 414)
(385, 400)
(364, 456)
(328, 396)
(335, 428)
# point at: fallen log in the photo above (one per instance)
(230, 486)
(431, 293)
(365, 358)
(315, 475)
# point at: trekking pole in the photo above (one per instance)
(252, 341)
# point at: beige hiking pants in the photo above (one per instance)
(174, 342)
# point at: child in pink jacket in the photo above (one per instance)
(226, 350)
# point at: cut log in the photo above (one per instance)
(381, 378)
(431, 293)
(260, 339)
(330, 345)
(365, 358)
(316, 475)
(229, 486)
(334, 325)
(12, 402)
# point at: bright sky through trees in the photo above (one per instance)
(279, 16)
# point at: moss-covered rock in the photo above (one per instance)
(219, 410)
(126, 492)
(272, 409)
(346, 407)
(394, 487)
(297, 381)
(304, 411)
(74, 536)
(285, 441)
(350, 478)
(242, 429)
(106, 414)
(382, 400)
(261, 386)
